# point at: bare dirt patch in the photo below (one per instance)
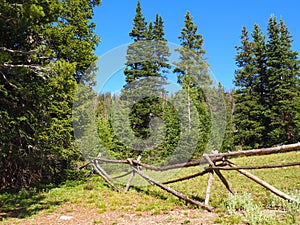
(71, 215)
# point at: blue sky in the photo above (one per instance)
(220, 22)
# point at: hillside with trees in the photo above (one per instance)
(46, 49)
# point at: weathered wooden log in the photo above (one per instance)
(104, 175)
(213, 157)
(168, 189)
(129, 181)
(187, 177)
(264, 184)
(253, 152)
(132, 175)
(122, 175)
(254, 167)
(219, 174)
(208, 188)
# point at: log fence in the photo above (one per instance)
(213, 169)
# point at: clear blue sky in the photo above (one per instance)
(220, 22)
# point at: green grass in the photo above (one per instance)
(95, 193)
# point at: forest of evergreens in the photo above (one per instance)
(48, 45)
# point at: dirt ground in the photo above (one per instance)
(85, 216)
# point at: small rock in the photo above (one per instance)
(66, 217)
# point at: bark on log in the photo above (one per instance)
(122, 175)
(261, 151)
(132, 175)
(213, 157)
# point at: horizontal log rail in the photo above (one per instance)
(213, 157)
(211, 160)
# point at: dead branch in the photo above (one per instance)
(17, 51)
(32, 67)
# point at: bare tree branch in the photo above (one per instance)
(11, 84)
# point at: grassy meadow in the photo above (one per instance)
(251, 205)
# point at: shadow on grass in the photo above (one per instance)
(161, 195)
(24, 203)
(152, 193)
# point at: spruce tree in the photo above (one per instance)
(283, 85)
(136, 51)
(145, 65)
(45, 48)
(266, 99)
(248, 115)
(192, 74)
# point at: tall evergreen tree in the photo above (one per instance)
(147, 60)
(136, 51)
(192, 74)
(139, 30)
(267, 109)
(249, 78)
(283, 85)
(45, 47)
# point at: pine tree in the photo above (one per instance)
(192, 73)
(136, 51)
(45, 48)
(283, 85)
(249, 79)
(267, 109)
(147, 60)
(139, 30)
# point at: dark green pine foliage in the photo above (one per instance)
(193, 75)
(143, 92)
(139, 30)
(137, 50)
(282, 85)
(44, 45)
(228, 139)
(249, 94)
(267, 95)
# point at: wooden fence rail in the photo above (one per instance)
(213, 168)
